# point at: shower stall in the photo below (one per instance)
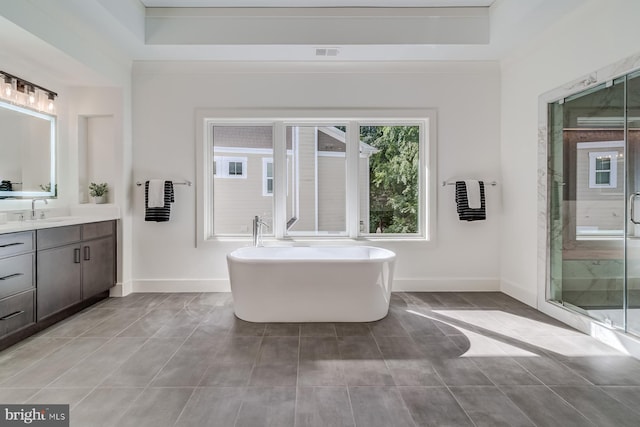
(593, 201)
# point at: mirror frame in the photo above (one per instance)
(52, 152)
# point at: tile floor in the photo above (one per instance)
(437, 359)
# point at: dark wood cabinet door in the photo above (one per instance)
(98, 266)
(59, 279)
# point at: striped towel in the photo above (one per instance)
(159, 214)
(465, 213)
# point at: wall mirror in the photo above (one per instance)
(27, 153)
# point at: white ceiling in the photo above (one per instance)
(317, 3)
(114, 32)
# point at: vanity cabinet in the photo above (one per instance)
(17, 281)
(74, 263)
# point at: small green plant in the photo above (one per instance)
(98, 190)
(47, 187)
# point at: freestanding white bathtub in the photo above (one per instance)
(311, 284)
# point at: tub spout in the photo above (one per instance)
(258, 223)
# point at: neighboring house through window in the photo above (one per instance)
(267, 177)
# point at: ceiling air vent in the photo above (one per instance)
(327, 51)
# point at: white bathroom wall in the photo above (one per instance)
(466, 96)
(596, 34)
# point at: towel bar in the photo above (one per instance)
(492, 183)
(186, 182)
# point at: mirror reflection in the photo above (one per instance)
(27, 147)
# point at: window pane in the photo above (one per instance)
(270, 186)
(603, 177)
(269, 170)
(603, 163)
(237, 198)
(389, 192)
(316, 174)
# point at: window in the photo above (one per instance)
(344, 178)
(603, 169)
(267, 177)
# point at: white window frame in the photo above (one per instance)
(425, 118)
(613, 169)
(222, 167)
(266, 178)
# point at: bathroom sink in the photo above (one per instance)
(52, 219)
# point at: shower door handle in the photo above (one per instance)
(632, 202)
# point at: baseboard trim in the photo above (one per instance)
(399, 285)
(517, 292)
(121, 289)
(447, 284)
(181, 285)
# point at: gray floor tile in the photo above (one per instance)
(434, 406)
(504, 371)
(115, 324)
(379, 407)
(274, 374)
(323, 406)
(212, 406)
(94, 369)
(459, 372)
(413, 373)
(390, 326)
(597, 406)
(487, 406)
(188, 365)
(103, 406)
(16, 395)
(149, 324)
(48, 369)
(629, 395)
(27, 353)
(366, 373)
(416, 324)
(65, 396)
(352, 329)
(399, 348)
(211, 299)
(359, 348)
(267, 407)
(278, 350)
(176, 301)
(156, 407)
(81, 323)
(241, 350)
(544, 407)
(550, 372)
(143, 365)
(438, 347)
(227, 374)
(182, 324)
(319, 362)
(607, 370)
(318, 330)
(243, 328)
(282, 330)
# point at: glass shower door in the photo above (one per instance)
(588, 202)
(633, 191)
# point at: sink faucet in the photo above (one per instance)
(33, 206)
(258, 223)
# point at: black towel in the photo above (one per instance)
(465, 213)
(159, 214)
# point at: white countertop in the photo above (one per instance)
(77, 216)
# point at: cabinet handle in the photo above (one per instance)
(87, 253)
(12, 315)
(11, 244)
(11, 275)
(76, 256)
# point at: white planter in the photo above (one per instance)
(98, 200)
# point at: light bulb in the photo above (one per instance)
(50, 105)
(31, 95)
(7, 86)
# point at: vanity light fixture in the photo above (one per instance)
(22, 92)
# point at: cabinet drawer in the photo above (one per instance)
(97, 229)
(16, 312)
(58, 236)
(16, 243)
(16, 274)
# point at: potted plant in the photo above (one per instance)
(98, 192)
